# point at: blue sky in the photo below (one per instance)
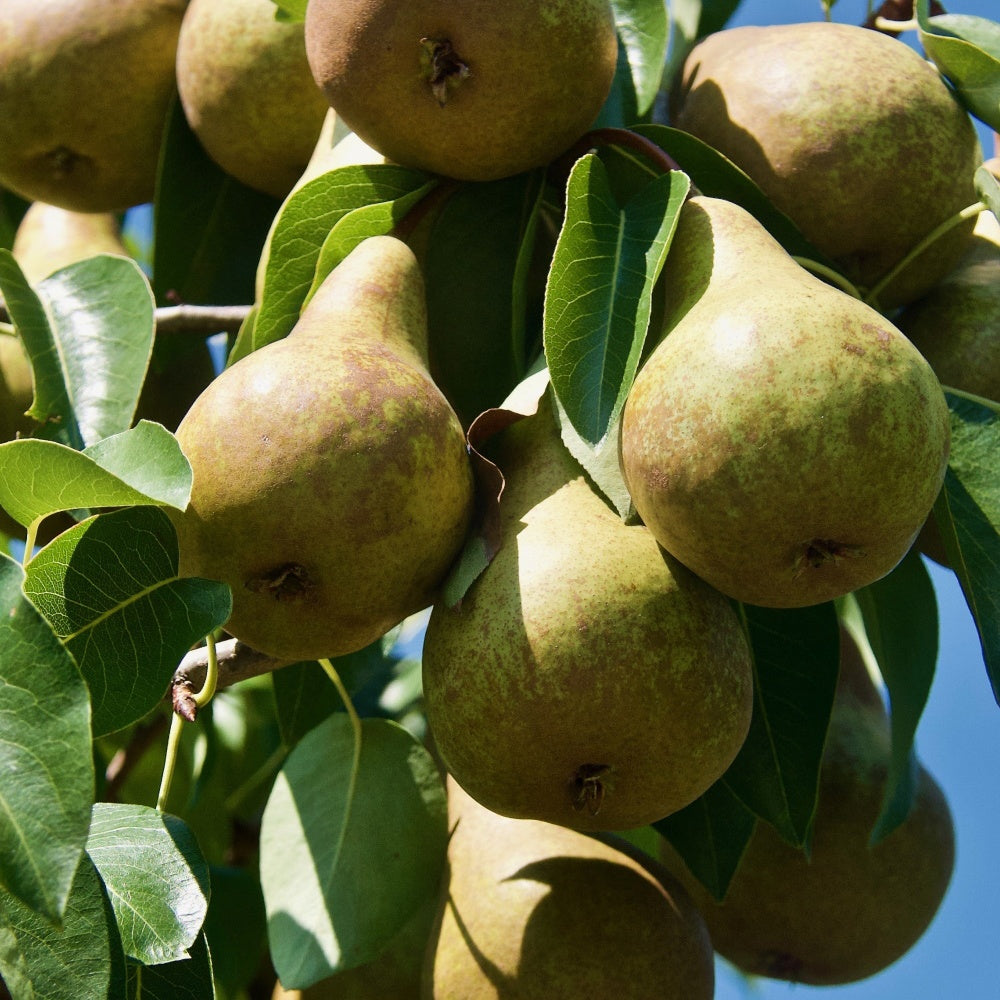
(958, 741)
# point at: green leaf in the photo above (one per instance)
(901, 622)
(144, 465)
(599, 295)
(110, 590)
(988, 189)
(710, 835)
(689, 21)
(290, 10)
(717, 177)
(378, 219)
(348, 853)
(482, 292)
(644, 31)
(968, 514)
(966, 50)
(187, 979)
(88, 330)
(81, 960)
(12, 209)
(236, 928)
(210, 228)
(155, 877)
(46, 767)
(796, 660)
(301, 228)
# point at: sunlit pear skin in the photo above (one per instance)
(538, 912)
(587, 679)
(824, 116)
(85, 86)
(332, 486)
(470, 90)
(851, 909)
(956, 325)
(49, 238)
(247, 91)
(784, 441)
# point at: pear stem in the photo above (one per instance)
(970, 212)
(29, 541)
(646, 148)
(201, 699)
(331, 672)
(989, 404)
(829, 273)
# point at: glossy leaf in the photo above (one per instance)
(599, 294)
(796, 656)
(988, 188)
(46, 768)
(110, 590)
(966, 50)
(81, 960)
(710, 835)
(235, 927)
(144, 465)
(290, 10)
(369, 220)
(155, 877)
(968, 515)
(689, 21)
(482, 293)
(210, 229)
(301, 228)
(644, 31)
(187, 979)
(348, 853)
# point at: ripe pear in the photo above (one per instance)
(84, 90)
(784, 441)
(247, 91)
(587, 679)
(532, 910)
(16, 388)
(49, 238)
(469, 90)
(849, 909)
(956, 326)
(822, 116)
(332, 486)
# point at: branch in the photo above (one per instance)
(237, 662)
(203, 320)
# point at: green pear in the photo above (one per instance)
(247, 91)
(823, 116)
(532, 910)
(332, 487)
(472, 91)
(784, 441)
(848, 909)
(16, 388)
(49, 238)
(85, 86)
(956, 325)
(586, 679)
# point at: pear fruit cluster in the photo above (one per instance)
(845, 909)
(332, 487)
(823, 116)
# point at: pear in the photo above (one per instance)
(16, 388)
(85, 86)
(332, 487)
(247, 91)
(821, 115)
(49, 238)
(532, 910)
(469, 90)
(956, 325)
(784, 441)
(586, 679)
(848, 909)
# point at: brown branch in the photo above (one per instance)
(237, 662)
(202, 320)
